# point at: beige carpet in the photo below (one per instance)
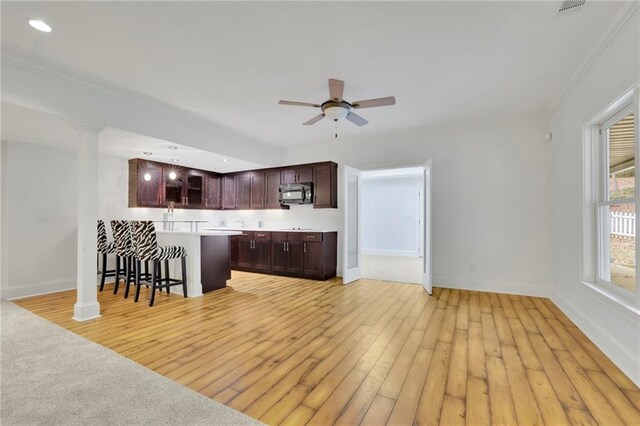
(51, 376)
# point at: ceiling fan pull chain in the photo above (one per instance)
(336, 121)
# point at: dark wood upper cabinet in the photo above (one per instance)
(257, 190)
(193, 185)
(272, 189)
(228, 192)
(213, 191)
(325, 185)
(153, 184)
(301, 174)
(243, 191)
(146, 184)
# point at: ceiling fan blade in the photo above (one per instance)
(295, 103)
(336, 89)
(356, 119)
(369, 103)
(313, 120)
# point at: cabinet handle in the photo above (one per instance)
(304, 247)
(311, 236)
(263, 202)
(236, 202)
(315, 198)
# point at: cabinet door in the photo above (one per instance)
(312, 258)
(229, 192)
(243, 191)
(149, 184)
(304, 174)
(173, 181)
(262, 255)
(325, 186)
(257, 190)
(213, 187)
(288, 176)
(245, 249)
(279, 255)
(296, 256)
(272, 189)
(233, 250)
(194, 188)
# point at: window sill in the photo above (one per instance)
(624, 302)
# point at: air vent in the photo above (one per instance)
(571, 5)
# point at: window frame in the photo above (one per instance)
(601, 201)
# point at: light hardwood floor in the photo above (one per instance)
(291, 351)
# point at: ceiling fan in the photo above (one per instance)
(337, 108)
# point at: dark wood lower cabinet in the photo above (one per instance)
(214, 265)
(251, 251)
(299, 254)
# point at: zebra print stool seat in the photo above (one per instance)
(146, 249)
(105, 248)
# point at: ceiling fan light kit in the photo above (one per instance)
(337, 108)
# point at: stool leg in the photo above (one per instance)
(166, 275)
(104, 271)
(137, 283)
(154, 277)
(127, 267)
(184, 276)
(134, 264)
(117, 281)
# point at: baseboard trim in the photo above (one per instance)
(492, 286)
(20, 292)
(612, 348)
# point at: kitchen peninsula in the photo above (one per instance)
(208, 265)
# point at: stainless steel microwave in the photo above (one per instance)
(296, 193)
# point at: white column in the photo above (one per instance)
(87, 306)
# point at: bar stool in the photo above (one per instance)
(123, 241)
(105, 248)
(146, 249)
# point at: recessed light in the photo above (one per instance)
(173, 175)
(148, 153)
(40, 25)
(172, 147)
(225, 160)
(175, 160)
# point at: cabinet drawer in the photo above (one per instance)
(280, 236)
(246, 236)
(312, 236)
(262, 236)
(294, 236)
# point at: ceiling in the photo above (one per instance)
(447, 63)
(18, 126)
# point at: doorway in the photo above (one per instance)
(393, 222)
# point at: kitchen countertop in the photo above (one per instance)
(268, 229)
(202, 232)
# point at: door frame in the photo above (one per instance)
(427, 218)
(351, 274)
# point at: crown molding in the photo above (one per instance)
(614, 26)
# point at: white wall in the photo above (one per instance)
(614, 329)
(390, 215)
(492, 215)
(39, 219)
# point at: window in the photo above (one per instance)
(616, 199)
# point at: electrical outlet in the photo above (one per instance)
(472, 267)
(42, 216)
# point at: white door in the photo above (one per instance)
(427, 220)
(352, 256)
